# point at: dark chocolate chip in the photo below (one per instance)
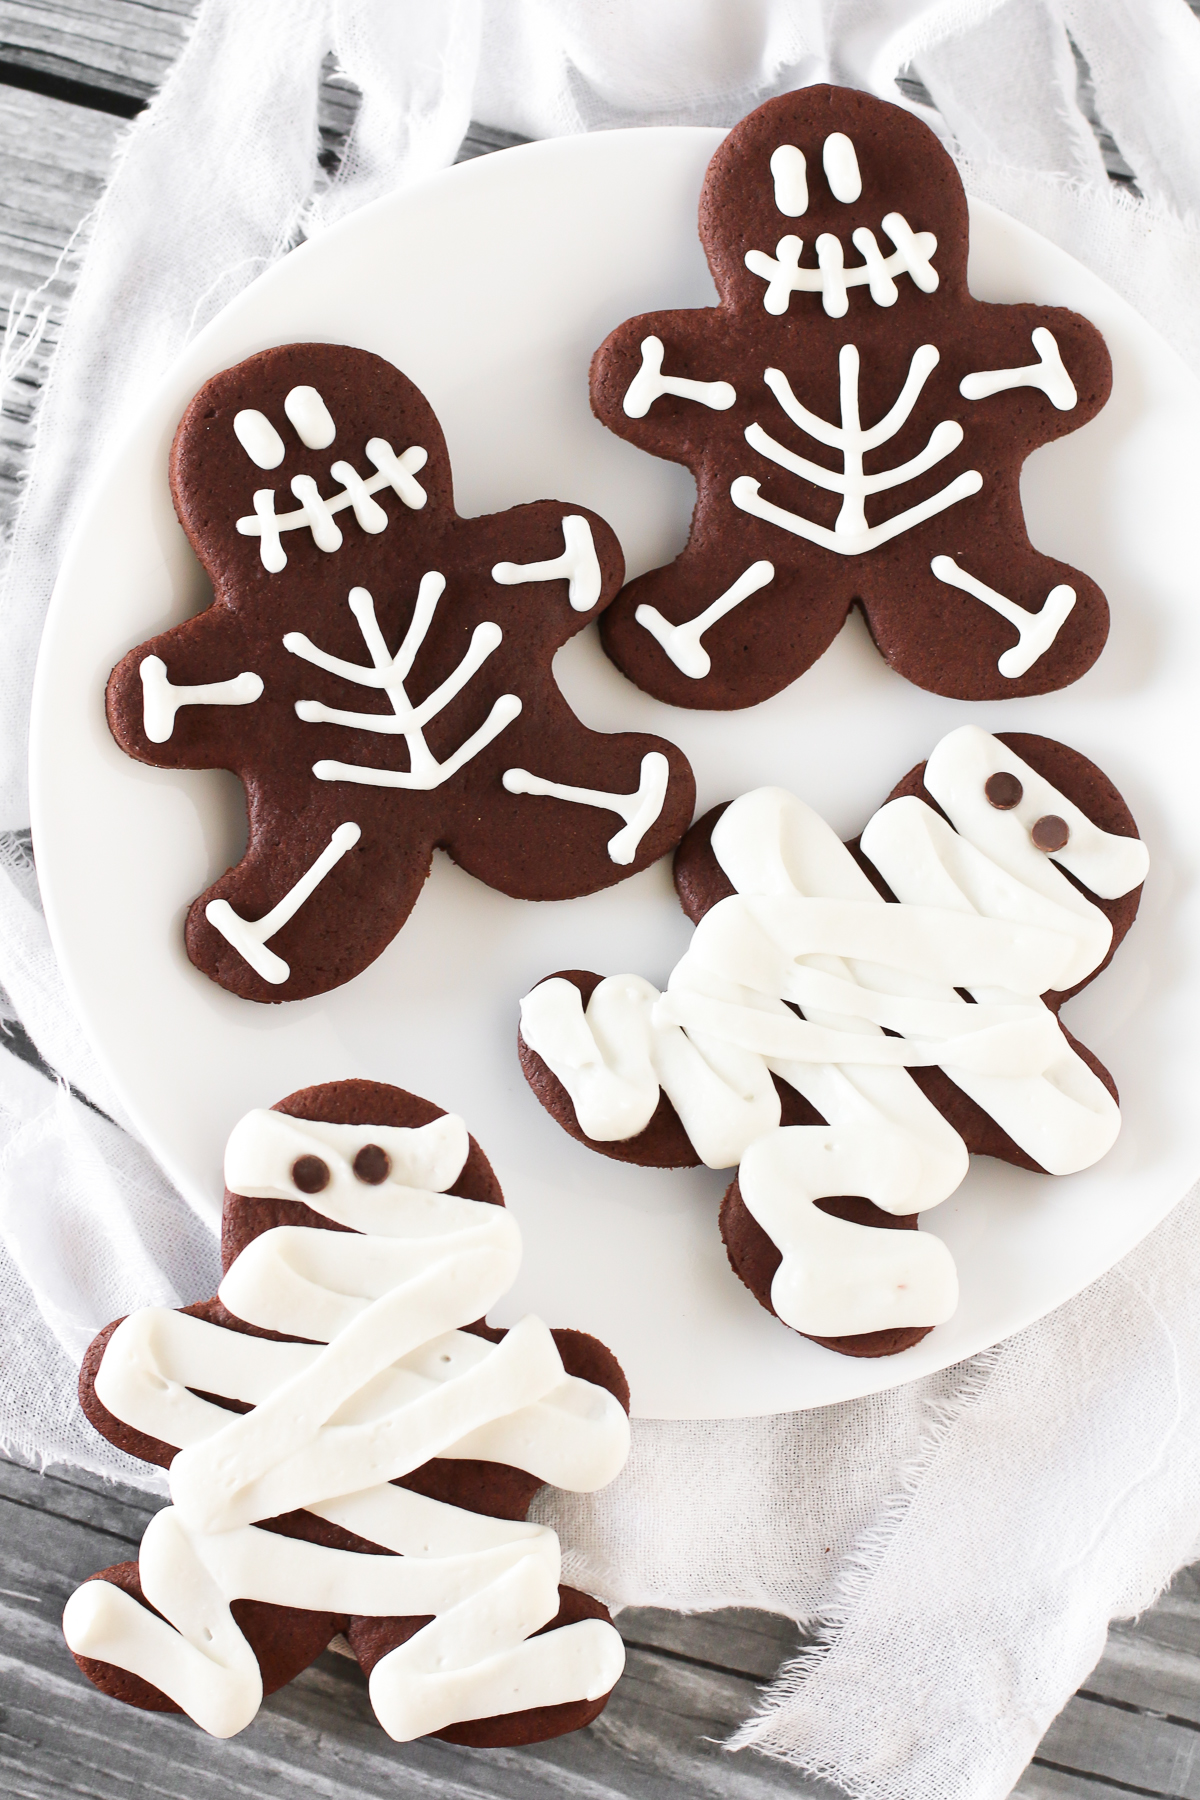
(1050, 833)
(1003, 791)
(310, 1174)
(372, 1164)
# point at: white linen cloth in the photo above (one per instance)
(966, 1537)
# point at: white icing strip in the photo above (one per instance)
(249, 936)
(790, 175)
(390, 672)
(682, 642)
(639, 809)
(578, 566)
(851, 535)
(387, 1385)
(784, 276)
(396, 472)
(980, 909)
(650, 382)
(1035, 631)
(1046, 373)
(841, 168)
(310, 418)
(161, 700)
(258, 438)
(837, 1278)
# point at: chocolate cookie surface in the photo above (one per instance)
(329, 1178)
(377, 672)
(856, 423)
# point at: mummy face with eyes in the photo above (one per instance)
(364, 1377)
(802, 979)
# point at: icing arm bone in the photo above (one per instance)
(803, 980)
(365, 1378)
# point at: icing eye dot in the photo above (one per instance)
(1050, 832)
(310, 1174)
(258, 438)
(1003, 791)
(841, 168)
(372, 1165)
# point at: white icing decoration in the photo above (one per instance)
(396, 472)
(161, 700)
(389, 673)
(837, 1278)
(650, 382)
(577, 565)
(980, 909)
(851, 535)
(784, 276)
(386, 1382)
(249, 936)
(789, 173)
(682, 642)
(1046, 373)
(841, 168)
(639, 809)
(1035, 631)
(258, 438)
(310, 417)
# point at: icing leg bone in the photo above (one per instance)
(1035, 631)
(639, 809)
(382, 1382)
(851, 535)
(682, 642)
(249, 936)
(390, 673)
(979, 910)
(577, 566)
(162, 700)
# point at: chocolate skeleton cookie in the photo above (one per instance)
(352, 1448)
(377, 671)
(851, 1021)
(856, 424)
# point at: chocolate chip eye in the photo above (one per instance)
(1003, 791)
(310, 1174)
(1050, 833)
(372, 1164)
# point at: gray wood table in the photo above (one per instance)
(71, 72)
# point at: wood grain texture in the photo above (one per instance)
(1134, 1728)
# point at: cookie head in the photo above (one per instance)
(859, 192)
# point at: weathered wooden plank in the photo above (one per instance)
(119, 46)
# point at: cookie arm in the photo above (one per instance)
(660, 379)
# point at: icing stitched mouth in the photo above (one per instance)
(912, 255)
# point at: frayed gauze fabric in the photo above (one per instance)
(964, 1539)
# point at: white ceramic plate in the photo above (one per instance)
(491, 285)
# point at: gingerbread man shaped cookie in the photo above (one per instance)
(352, 1449)
(856, 424)
(851, 1021)
(377, 670)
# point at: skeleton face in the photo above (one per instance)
(813, 202)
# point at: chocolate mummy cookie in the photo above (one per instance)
(856, 424)
(377, 671)
(352, 1449)
(851, 1021)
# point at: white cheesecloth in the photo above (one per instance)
(966, 1537)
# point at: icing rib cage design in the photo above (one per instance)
(385, 1381)
(388, 700)
(856, 449)
(802, 971)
